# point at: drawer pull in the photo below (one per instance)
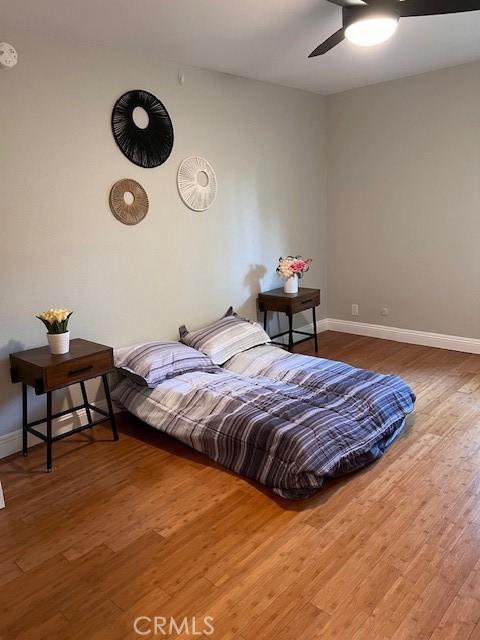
(307, 301)
(75, 372)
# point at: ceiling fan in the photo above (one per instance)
(370, 22)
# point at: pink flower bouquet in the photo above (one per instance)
(293, 265)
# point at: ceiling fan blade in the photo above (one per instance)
(410, 8)
(328, 44)
(348, 3)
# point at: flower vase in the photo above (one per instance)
(291, 284)
(59, 342)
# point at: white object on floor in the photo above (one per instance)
(2, 498)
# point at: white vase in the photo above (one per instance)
(291, 285)
(59, 342)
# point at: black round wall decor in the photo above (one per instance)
(148, 147)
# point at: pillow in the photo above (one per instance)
(226, 337)
(150, 363)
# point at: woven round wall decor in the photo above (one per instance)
(128, 201)
(197, 183)
(149, 146)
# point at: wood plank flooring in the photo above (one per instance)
(147, 527)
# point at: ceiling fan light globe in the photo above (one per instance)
(371, 31)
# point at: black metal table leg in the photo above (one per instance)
(24, 420)
(265, 320)
(315, 329)
(290, 331)
(85, 402)
(110, 407)
(49, 431)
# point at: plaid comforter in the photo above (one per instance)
(290, 435)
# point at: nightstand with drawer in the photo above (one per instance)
(46, 373)
(290, 303)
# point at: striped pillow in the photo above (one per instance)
(150, 363)
(226, 337)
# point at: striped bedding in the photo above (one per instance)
(149, 363)
(386, 394)
(288, 435)
(225, 337)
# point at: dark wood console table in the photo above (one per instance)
(46, 373)
(290, 303)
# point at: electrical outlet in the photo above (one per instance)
(384, 311)
(355, 311)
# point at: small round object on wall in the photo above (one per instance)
(197, 183)
(128, 201)
(142, 128)
(8, 55)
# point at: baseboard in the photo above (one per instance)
(425, 338)
(12, 442)
(322, 325)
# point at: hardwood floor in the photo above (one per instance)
(147, 527)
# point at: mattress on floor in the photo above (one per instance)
(284, 435)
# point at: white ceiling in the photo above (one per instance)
(264, 39)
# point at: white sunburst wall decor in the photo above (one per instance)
(197, 183)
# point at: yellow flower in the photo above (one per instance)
(55, 315)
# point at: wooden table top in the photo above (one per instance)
(280, 293)
(43, 358)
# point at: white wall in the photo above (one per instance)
(404, 202)
(61, 246)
